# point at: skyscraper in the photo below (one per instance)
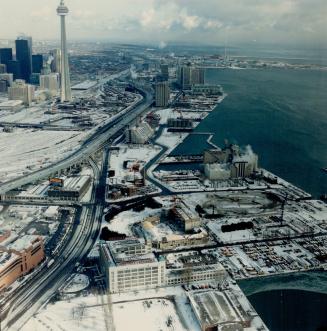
(5, 55)
(13, 67)
(66, 93)
(37, 63)
(24, 56)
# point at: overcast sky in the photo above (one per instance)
(213, 22)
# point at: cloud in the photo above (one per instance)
(41, 13)
(162, 45)
(170, 16)
(205, 21)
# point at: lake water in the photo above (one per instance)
(282, 114)
(294, 302)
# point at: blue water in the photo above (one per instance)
(292, 310)
(294, 302)
(282, 114)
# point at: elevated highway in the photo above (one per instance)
(95, 142)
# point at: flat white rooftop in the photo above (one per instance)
(84, 85)
(11, 103)
(22, 243)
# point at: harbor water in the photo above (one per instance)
(281, 113)
(293, 302)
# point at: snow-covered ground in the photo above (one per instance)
(21, 219)
(77, 283)
(82, 313)
(123, 222)
(197, 183)
(230, 237)
(149, 315)
(181, 306)
(151, 309)
(228, 202)
(163, 309)
(137, 154)
(167, 113)
(252, 260)
(34, 114)
(23, 151)
(171, 139)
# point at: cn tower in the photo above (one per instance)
(66, 92)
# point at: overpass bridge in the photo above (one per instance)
(41, 126)
(96, 141)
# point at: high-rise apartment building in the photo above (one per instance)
(162, 94)
(197, 76)
(189, 76)
(184, 77)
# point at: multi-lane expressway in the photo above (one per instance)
(28, 299)
(95, 142)
(33, 295)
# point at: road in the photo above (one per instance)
(33, 296)
(96, 140)
(28, 299)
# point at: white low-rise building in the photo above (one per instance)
(12, 105)
(139, 134)
(193, 274)
(126, 271)
(21, 91)
(185, 268)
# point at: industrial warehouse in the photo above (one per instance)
(19, 257)
(71, 188)
(130, 265)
